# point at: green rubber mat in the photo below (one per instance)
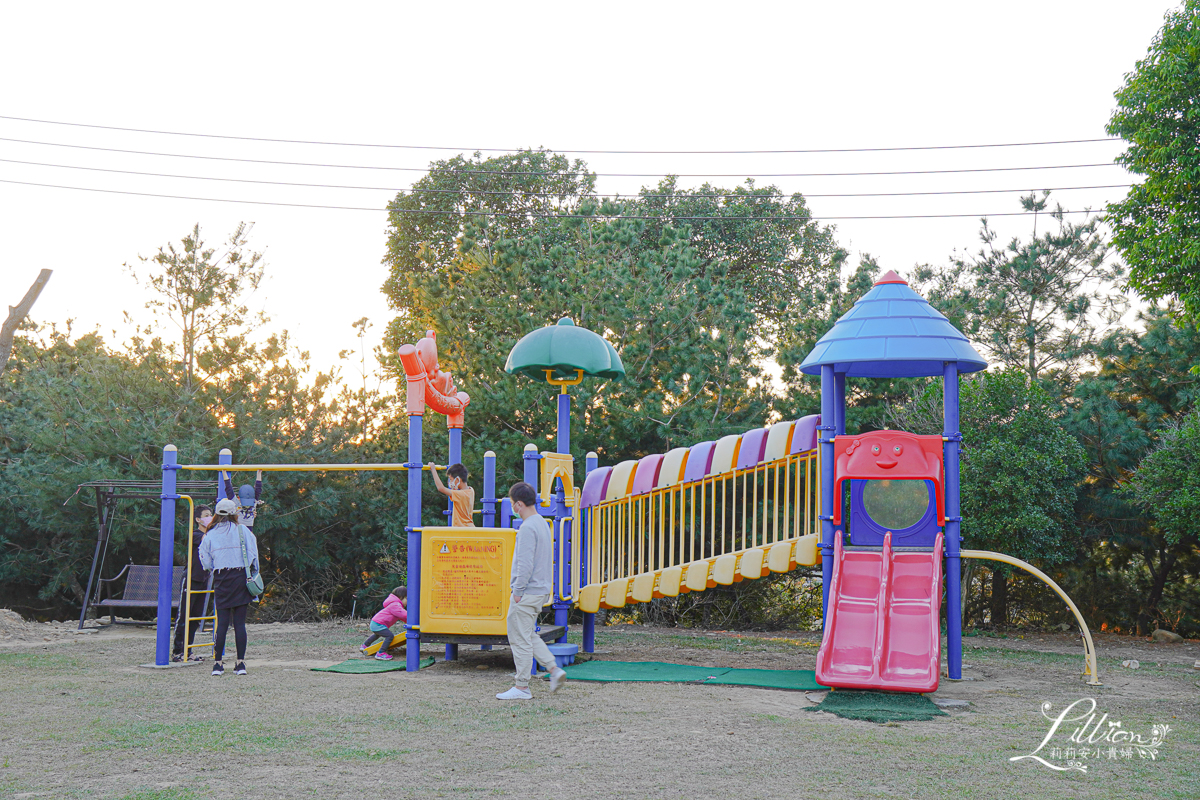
(362, 666)
(879, 707)
(657, 671)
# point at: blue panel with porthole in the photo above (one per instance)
(905, 508)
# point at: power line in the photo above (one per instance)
(438, 212)
(508, 193)
(588, 152)
(551, 174)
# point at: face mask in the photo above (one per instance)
(205, 521)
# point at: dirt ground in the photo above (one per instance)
(82, 719)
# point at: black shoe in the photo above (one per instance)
(177, 657)
(218, 669)
(239, 668)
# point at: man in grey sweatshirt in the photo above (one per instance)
(532, 582)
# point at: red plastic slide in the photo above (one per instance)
(883, 630)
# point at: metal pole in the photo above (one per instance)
(564, 421)
(455, 457)
(827, 427)
(166, 557)
(102, 517)
(562, 550)
(591, 462)
(224, 458)
(412, 628)
(489, 499)
(489, 489)
(839, 407)
(531, 457)
(950, 447)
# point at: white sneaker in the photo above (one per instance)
(515, 694)
(557, 678)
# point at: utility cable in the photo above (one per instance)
(438, 212)
(559, 150)
(428, 170)
(522, 193)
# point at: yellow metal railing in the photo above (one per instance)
(1091, 669)
(185, 612)
(687, 537)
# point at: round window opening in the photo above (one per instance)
(895, 505)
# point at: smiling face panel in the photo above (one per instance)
(887, 452)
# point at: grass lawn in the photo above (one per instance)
(80, 719)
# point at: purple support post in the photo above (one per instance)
(455, 457)
(825, 442)
(166, 557)
(564, 422)
(563, 532)
(839, 407)
(489, 489)
(953, 538)
(412, 628)
(531, 458)
(224, 457)
(589, 620)
(489, 499)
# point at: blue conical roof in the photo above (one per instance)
(892, 332)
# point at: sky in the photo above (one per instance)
(620, 76)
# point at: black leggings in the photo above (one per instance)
(237, 615)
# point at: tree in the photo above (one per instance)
(1166, 486)
(1038, 299)
(685, 336)
(516, 191)
(762, 239)
(1020, 470)
(1143, 388)
(201, 293)
(1156, 226)
(17, 315)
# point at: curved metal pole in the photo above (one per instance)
(1089, 650)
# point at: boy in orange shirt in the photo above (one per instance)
(462, 495)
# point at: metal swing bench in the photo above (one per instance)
(140, 590)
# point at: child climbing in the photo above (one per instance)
(394, 610)
(247, 498)
(460, 494)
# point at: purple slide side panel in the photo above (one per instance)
(753, 444)
(594, 486)
(699, 461)
(804, 436)
(647, 474)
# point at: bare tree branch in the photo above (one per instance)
(18, 313)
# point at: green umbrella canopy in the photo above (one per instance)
(567, 350)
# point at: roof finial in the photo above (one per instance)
(891, 277)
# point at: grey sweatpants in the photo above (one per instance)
(525, 643)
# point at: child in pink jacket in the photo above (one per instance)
(394, 610)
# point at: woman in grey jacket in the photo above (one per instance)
(221, 552)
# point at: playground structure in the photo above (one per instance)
(716, 513)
